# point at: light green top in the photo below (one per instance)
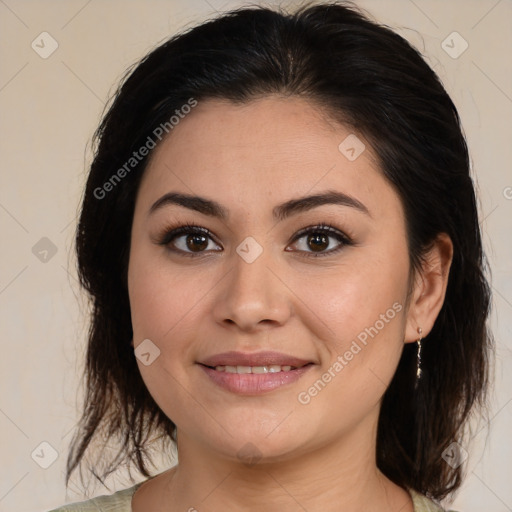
(121, 502)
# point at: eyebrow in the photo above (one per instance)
(280, 212)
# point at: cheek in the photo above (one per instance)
(161, 300)
(364, 308)
(165, 308)
(363, 303)
(355, 296)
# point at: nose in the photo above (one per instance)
(252, 296)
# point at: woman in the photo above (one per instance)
(280, 238)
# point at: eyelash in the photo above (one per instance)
(172, 232)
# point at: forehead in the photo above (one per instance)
(270, 147)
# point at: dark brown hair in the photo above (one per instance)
(368, 77)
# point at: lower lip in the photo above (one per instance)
(254, 383)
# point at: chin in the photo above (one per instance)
(254, 446)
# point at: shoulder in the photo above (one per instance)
(118, 502)
(423, 504)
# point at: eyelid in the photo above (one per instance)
(322, 227)
(171, 232)
(342, 237)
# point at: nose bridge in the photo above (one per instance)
(251, 293)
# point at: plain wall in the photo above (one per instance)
(49, 110)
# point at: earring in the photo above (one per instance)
(418, 361)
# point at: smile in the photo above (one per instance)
(255, 373)
(255, 369)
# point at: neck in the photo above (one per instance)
(344, 473)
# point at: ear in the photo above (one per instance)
(429, 289)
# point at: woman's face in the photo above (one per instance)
(264, 274)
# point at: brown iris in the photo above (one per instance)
(318, 241)
(197, 243)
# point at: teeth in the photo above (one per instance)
(274, 368)
(259, 369)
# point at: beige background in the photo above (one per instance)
(50, 107)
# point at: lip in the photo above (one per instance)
(254, 359)
(254, 383)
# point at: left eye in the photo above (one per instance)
(320, 241)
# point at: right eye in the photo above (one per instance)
(189, 240)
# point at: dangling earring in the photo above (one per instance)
(418, 361)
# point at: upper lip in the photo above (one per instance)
(253, 359)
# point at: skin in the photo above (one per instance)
(318, 456)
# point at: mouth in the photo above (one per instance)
(254, 374)
(274, 368)
(258, 360)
